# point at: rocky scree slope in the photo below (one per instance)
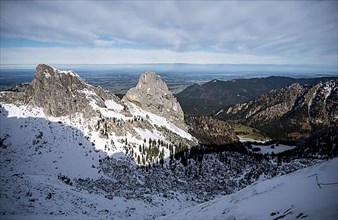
(291, 112)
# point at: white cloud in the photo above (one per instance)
(104, 43)
(263, 29)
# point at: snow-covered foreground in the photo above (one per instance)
(293, 196)
(50, 170)
(37, 158)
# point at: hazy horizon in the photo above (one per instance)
(187, 67)
(119, 78)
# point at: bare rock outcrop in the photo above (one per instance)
(62, 93)
(153, 95)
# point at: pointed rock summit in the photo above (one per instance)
(62, 93)
(153, 95)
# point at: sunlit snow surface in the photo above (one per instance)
(292, 196)
(44, 147)
(31, 162)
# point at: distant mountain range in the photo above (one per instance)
(290, 112)
(210, 97)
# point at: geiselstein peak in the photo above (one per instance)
(153, 95)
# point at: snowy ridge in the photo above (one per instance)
(311, 99)
(65, 73)
(136, 135)
(158, 120)
(87, 92)
(112, 125)
(292, 196)
(321, 93)
(111, 104)
(328, 88)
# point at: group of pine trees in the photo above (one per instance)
(152, 152)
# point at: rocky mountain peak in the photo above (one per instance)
(45, 72)
(151, 78)
(62, 93)
(152, 94)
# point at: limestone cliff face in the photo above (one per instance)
(62, 93)
(153, 95)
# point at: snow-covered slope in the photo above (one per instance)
(58, 131)
(43, 156)
(113, 126)
(50, 170)
(33, 145)
(293, 196)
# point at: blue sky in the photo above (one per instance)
(198, 32)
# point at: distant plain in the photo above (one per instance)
(118, 79)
